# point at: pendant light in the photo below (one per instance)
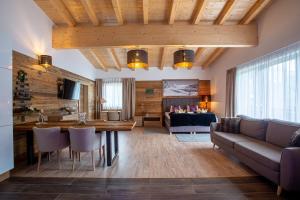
(45, 61)
(137, 58)
(184, 58)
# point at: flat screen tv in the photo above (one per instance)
(69, 90)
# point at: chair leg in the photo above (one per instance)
(58, 158)
(279, 190)
(93, 163)
(104, 154)
(214, 146)
(100, 153)
(39, 161)
(73, 155)
(79, 156)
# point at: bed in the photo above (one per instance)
(186, 122)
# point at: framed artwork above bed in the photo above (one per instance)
(180, 88)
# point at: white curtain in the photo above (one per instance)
(112, 93)
(269, 87)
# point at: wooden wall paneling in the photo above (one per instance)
(204, 87)
(148, 104)
(43, 89)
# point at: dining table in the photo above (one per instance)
(111, 128)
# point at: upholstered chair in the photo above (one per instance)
(85, 140)
(49, 140)
(114, 116)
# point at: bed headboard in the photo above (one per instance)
(180, 101)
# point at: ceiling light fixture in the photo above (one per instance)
(184, 58)
(137, 58)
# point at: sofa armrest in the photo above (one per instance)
(290, 168)
(213, 127)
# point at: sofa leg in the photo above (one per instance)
(279, 190)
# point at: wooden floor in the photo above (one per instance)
(135, 189)
(154, 154)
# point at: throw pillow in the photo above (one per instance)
(295, 139)
(171, 109)
(193, 108)
(230, 125)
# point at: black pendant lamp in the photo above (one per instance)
(45, 61)
(137, 58)
(184, 58)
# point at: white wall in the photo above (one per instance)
(25, 28)
(278, 26)
(154, 73)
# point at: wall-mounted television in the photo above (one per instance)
(69, 89)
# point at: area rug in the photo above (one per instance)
(203, 137)
(155, 130)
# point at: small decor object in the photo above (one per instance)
(45, 61)
(22, 96)
(184, 58)
(22, 91)
(22, 76)
(137, 58)
(42, 117)
(295, 139)
(201, 110)
(149, 91)
(82, 118)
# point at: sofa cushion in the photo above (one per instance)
(230, 138)
(266, 154)
(280, 132)
(230, 125)
(295, 139)
(255, 128)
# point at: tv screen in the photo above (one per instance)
(70, 90)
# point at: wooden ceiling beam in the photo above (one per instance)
(64, 12)
(87, 36)
(257, 7)
(216, 53)
(173, 10)
(198, 54)
(115, 59)
(88, 6)
(117, 10)
(226, 11)
(199, 12)
(146, 11)
(163, 58)
(224, 14)
(98, 60)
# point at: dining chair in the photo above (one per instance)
(49, 140)
(85, 140)
(114, 116)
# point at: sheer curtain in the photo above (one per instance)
(112, 93)
(269, 87)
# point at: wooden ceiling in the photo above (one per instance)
(104, 30)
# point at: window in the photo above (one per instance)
(269, 87)
(112, 93)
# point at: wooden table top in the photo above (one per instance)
(100, 125)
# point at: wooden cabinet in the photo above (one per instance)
(152, 120)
